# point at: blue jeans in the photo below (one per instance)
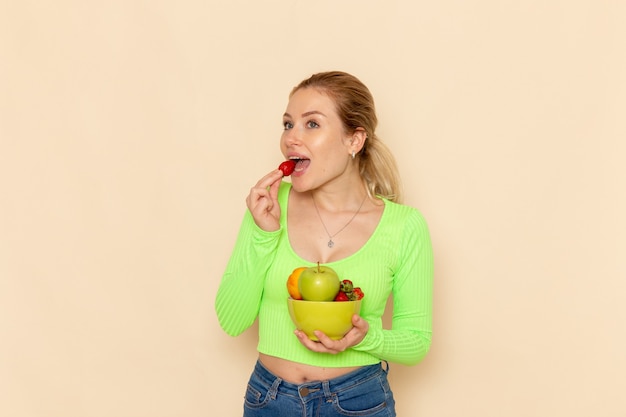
(364, 392)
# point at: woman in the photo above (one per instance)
(341, 209)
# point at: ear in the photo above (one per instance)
(358, 140)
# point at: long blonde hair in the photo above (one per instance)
(355, 107)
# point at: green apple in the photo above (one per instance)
(319, 283)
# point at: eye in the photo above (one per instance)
(312, 124)
(287, 125)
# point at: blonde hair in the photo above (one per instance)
(355, 107)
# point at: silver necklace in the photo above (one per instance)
(330, 237)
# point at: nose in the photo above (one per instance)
(291, 137)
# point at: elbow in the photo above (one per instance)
(232, 327)
(230, 317)
(422, 347)
(233, 324)
(232, 332)
(229, 328)
(418, 357)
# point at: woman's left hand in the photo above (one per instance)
(328, 345)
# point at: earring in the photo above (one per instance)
(353, 154)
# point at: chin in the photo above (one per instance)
(300, 186)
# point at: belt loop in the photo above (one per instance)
(326, 387)
(386, 367)
(274, 388)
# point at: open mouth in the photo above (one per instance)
(301, 164)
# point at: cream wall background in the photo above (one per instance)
(131, 132)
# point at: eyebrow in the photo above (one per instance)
(309, 113)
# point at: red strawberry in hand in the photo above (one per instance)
(287, 167)
(341, 296)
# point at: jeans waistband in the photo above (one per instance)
(317, 388)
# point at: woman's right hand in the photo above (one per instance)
(263, 201)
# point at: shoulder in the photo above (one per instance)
(409, 226)
(402, 213)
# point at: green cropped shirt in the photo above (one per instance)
(396, 261)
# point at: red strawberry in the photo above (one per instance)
(287, 167)
(358, 293)
(341, 296)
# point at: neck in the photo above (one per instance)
(339, 200)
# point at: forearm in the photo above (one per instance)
(239, 294)
(406, 347)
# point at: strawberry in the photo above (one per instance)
(358, 293)
(346, 286)
(287, 167)
(341, 296)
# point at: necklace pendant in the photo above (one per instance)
(331, 243)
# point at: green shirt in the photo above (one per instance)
(396, 261)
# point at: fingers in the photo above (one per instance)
(270, 179)
(324, 345)
(360, 323)
(262, 201)
(265, 185)
(327, 345)
(332, 346)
